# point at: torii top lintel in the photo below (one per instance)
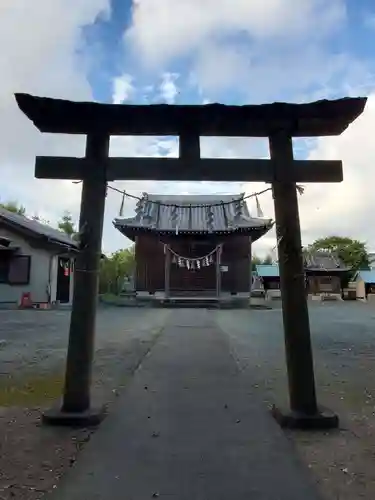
(320, 118)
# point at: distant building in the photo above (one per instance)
(365, 283)
(324, 273)
(34, 259)
(269, 273)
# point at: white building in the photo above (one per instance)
(35, 259)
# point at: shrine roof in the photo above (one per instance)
(313, 261)
(323, 261)
(192, 214)
(320, 118)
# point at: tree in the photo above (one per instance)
(114, 269)
(14, 206)
(66, 224)
(255, 261)
(353, 253)
(268, 260)
(39, 219)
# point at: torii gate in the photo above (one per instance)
(279, 122)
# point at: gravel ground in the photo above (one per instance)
(342, 462)
(33, 347)
(33, 343)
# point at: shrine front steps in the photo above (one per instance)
(203, 302)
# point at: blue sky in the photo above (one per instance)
(191, 51)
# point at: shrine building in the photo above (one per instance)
(193, 245)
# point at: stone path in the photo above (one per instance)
(188, 426)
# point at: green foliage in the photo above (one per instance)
(66, 224)
(30, 390)
(255, 261)
(14, 206)
(114, 269)
(267, 260)
(39, 219)
(352, 252)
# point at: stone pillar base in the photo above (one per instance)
(322, 420)
(89, 418)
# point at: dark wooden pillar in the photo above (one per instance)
(299, 355)
(167, 272)
(251, 269)
(218, 271)
(135, 269)
(76, 399)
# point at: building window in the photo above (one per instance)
(15, 269)
(4, 266)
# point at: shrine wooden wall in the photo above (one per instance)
(323, 283)
(236, 256)
(149, 255)
(150, 265)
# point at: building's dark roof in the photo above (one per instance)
(36, 228)
(191, 215)
(313, 261)
(319, 118)
(323, 261)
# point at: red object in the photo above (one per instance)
(26, 300)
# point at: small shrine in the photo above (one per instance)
(193, 244)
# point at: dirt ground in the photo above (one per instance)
(342, 462)
(32, 353)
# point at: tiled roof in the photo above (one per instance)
(318, 261)
(367, 276)
(54, 235)
(323, 261)
(193, 215)
(268, 270)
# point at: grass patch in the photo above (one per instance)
(31, 391)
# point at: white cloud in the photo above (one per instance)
(269, 50)
(168, 88)
(40, 43)
(345, 208)
(123, 89)
(163, 29)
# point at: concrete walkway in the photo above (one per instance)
(188, 427)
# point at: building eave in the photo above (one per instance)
(132, 231)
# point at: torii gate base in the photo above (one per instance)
(279, 122)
